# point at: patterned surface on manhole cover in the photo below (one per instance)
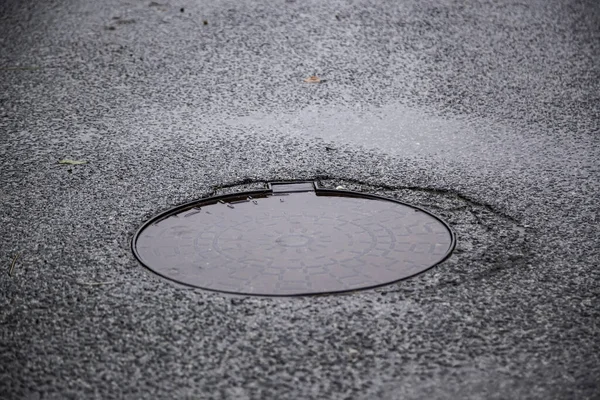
(292, 239)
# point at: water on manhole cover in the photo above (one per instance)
(292, 239)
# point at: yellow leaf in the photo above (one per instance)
(71, 162)
(313, 79)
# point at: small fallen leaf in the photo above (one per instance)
(313, 79)
(71, 162)
(125, 21)
(12, 265)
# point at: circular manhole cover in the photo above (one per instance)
(292, 239)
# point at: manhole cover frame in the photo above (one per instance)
(274, 188)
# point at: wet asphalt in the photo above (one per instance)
(487, 113)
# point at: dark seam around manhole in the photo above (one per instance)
(290, 239)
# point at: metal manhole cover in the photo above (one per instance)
(292, 239)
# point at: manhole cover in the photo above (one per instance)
(292, 239)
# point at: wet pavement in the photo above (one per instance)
(485, 113)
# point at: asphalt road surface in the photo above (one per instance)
(484, 112)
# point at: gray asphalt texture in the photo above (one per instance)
(484, 112)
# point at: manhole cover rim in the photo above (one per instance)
(269, 191)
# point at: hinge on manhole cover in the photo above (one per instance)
(287, 187)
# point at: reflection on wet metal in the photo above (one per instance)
(315, 241)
